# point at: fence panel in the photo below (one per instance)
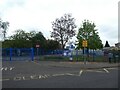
(28, 54)
(17, 54)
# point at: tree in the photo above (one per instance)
(39, 39)
(107, 44)
(4, 26)
(20, 35)
(63, 29)
(52, 45)
(18, 40)
(88, 32)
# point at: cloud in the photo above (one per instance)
(38, 14)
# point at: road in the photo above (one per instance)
(48, 75)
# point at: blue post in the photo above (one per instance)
(32, 54)
(10, 54)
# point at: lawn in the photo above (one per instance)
(75, 58)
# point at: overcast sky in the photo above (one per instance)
(38, 15)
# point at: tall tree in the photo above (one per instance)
(88, 32)
(4, 26)
(52, 45)
(63, 29)
(20, 34)
(39, 39)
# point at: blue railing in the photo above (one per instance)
(15, 54)
(22, 54)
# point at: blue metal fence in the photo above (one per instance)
(17, 54)
(22, 54)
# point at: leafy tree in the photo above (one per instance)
(52, 45)
(38, 38)
(4, 26)
(21, 34)
(20, 39)
(63, 29)
(107, 44)
(16, 44)
(88, 32)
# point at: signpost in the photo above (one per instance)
(37, 46)
(84, 44)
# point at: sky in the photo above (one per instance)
(38, 14)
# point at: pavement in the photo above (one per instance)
(82, 65)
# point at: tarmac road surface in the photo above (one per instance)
(48, 74)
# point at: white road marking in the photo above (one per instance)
(80, 73)
(70, 74)
(94, 71)
(17, 78)
(11, 68)
(2, 69)
(23, 78)
(43, 77)
(46, 76)
(57, 74)
(39, 76)
(106, 70)
(33, 77)
(5, 68)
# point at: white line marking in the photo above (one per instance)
(23, 78)
(80, 73)
(5, 68)
(43, 77)
(2, 69)
(33, 77)
(39, 76)
(106, 70)
(46, 76)
(94, 71)
(57, 74)
(70, 74)
(17, 78)
(11, 68)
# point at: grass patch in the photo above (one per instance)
(53, 58)
(75, 58)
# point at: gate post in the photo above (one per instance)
(10, 54)
(32, 54)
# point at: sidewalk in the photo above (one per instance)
(88, 65)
